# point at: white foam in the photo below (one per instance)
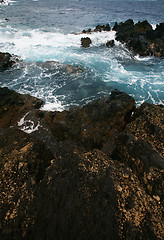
(6, 2)
(40, 45)
(100, 38)
(54, 106)
(28, 126)
(139, 58)
(153, 26)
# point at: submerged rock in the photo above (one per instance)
(94, 171)
(67, 68)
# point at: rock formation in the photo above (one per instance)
(110, 43)
(98, 28)
(7, 60)
(94, 172)
(141, 38)
(86, 42)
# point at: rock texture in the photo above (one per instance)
(141, 38)
(13, 106)
(94, 172)
(98, 28)
(7, 61)
(86, 42)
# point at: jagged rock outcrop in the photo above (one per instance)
(13, 106)
(98, 28)
(94, 172)
(141, 38)
(7, 61)
(96, 124)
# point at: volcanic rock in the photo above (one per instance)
(23, 162)
(97, 173)
(96, 124)
(13, 106)
(100, 28)
(7, 61)
(85, 42)
(141, 38)
(110, 43)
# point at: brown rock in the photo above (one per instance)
(23, 161)
(86, 42)
(6, 61)
(13, 106)
(103, 178)
(110, 43)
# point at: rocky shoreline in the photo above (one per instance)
(140, 38)
(94, 172)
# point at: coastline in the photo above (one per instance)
(93, 172)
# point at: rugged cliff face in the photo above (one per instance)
(94, 172)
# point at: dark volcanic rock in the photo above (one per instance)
(85, 42)
(76, 198)
(6, 61)
(23, 161)
(101, 178)
(110, 43)
(94, 125)
(126, 26)
(13, 106)
(141, 38)
(100, 28)
(148, 124)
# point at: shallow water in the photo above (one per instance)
(40, 31)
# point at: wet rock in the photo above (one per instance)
(140, 38)
(13, 106)
(86, 42)
(100, 28)
(96, 124)
(126, 26)
(6, 61)
(110, 43)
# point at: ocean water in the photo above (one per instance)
(45, 30)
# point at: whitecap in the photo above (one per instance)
(52, 106)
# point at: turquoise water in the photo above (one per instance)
(40, 31)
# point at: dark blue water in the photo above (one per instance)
(40, 31)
